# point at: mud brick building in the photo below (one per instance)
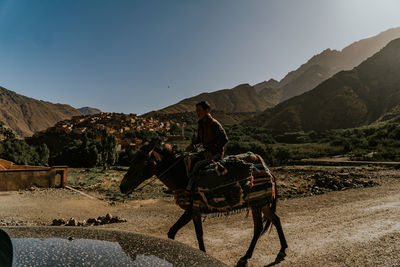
(19, 177)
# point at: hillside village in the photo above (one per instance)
(123, 126)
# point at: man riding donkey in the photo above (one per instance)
(245, 183)
(212, 136)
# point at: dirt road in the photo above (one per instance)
(356, 227)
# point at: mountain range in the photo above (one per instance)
(329, 62)
(348, 99)
(27, 115)
(334, 89)
(256, 98)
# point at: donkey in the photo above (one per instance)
(171, 170)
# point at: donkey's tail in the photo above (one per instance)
(272, 204)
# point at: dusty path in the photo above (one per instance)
(357, 227)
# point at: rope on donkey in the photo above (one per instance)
(153, 178)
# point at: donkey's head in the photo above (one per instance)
(143, 167)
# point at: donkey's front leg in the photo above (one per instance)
(182, 221)
(199, 230)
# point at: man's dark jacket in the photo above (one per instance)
(211, 134)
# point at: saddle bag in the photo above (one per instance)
(225, 172)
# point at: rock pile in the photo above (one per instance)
(89, 222)
(308, 182)
(341, 181)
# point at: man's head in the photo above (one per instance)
(202, 109)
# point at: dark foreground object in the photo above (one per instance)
(6, 249)
(65, 246)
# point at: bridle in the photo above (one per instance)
(152, 179)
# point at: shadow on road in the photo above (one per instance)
(277, 261)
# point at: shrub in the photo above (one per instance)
(234, 147)
(282, 156)
(19, 152)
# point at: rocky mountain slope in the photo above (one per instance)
(348, 99)
(242, 98)
(228, 106)
(190, 118)
(322, 66)
(26, 116)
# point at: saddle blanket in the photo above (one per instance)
(234, 183)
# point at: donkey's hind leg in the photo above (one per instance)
(272, 217)
(258, 227)
(199, 230)
(182, 221)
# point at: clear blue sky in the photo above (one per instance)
(135, 56)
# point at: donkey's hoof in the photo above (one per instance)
(171, 236)
(281, 256)
(242, 262)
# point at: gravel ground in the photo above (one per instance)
(336, 227)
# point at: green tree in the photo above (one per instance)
(19, 152)
(91, 155)
(43, 154)
(109, 155)
(175, 130)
